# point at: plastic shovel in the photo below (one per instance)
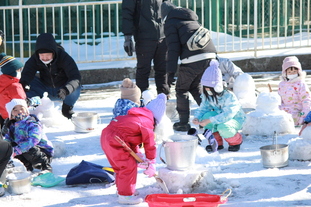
(138, 159)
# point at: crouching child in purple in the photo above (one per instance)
(29, 142)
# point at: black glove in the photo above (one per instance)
(6, 126)
(171, 79)
(128, 45)
(62, 93)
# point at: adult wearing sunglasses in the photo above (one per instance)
(294, 91)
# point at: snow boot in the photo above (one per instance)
(183, 127)
(235, 142)
(129, 200)
(67, 111)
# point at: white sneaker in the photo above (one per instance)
(2, 191)
(129, 200)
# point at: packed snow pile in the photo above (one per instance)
(48, 113)
(244, 89)
(300, 147)
(268, 118)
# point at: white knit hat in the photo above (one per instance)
(158, 107)
(14, 102)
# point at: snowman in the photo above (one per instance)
(267, 117)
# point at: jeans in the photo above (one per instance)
(37, 88)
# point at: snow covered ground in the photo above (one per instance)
(243, 171)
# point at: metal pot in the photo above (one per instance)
(19, 183)
(275, 155)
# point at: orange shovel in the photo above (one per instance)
(138, 159)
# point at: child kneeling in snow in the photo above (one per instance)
(29, 142)
(220, 111)
(130, 97)
(134, 128)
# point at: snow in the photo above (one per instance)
(243, 172)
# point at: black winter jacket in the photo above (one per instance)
(142, 18)
(179, 25)
(61, 72)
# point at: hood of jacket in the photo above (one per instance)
(6, 80)
(183, 14)
(46, 41)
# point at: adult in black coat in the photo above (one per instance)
(58, 74)
(179, 25)
(142, 19)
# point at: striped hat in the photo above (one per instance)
(9, 65)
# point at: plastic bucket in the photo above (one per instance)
(20, 183)
(84, 122)
(275, 155)
(180, 152)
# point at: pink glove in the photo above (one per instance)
(151, 169)
(140, 155)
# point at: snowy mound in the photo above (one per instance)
(163, 130)
(268, 118)
(299, 149)
(47, 113)
(244, 89)
(306, 133)
(147, 96)
(199, 180)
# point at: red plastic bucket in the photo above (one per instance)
(186, 200)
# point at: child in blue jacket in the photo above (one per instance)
(220, 111)
(29, 142)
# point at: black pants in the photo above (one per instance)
(188, 81)
(37, 158)
(5, 154)
(146, 52)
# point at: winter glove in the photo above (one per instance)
(194, 132)
(171, 79)
(151, 169)
(6, 126)
(128, 45)
(140, 155)
(34, 101)
(62, 93)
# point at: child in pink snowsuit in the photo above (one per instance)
(134, 128)
(294, 91)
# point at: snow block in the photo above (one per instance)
(299, 149)
(196, 180)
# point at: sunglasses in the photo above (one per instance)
(292, 69)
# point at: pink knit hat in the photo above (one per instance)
(291, 61)
(212, 77)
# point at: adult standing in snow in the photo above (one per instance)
(58, 74)
(220, 110)
(179, 26)
(142, 20)
(294, 91)
(134, 128)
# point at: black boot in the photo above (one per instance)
(183, 127)
(234, 148)
(67, 111)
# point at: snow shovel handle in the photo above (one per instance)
(137, 158)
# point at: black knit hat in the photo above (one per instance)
(9, 65)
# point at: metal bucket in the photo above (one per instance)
(180, 152)
(84, 122)
(275, 155)
(19, 183)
